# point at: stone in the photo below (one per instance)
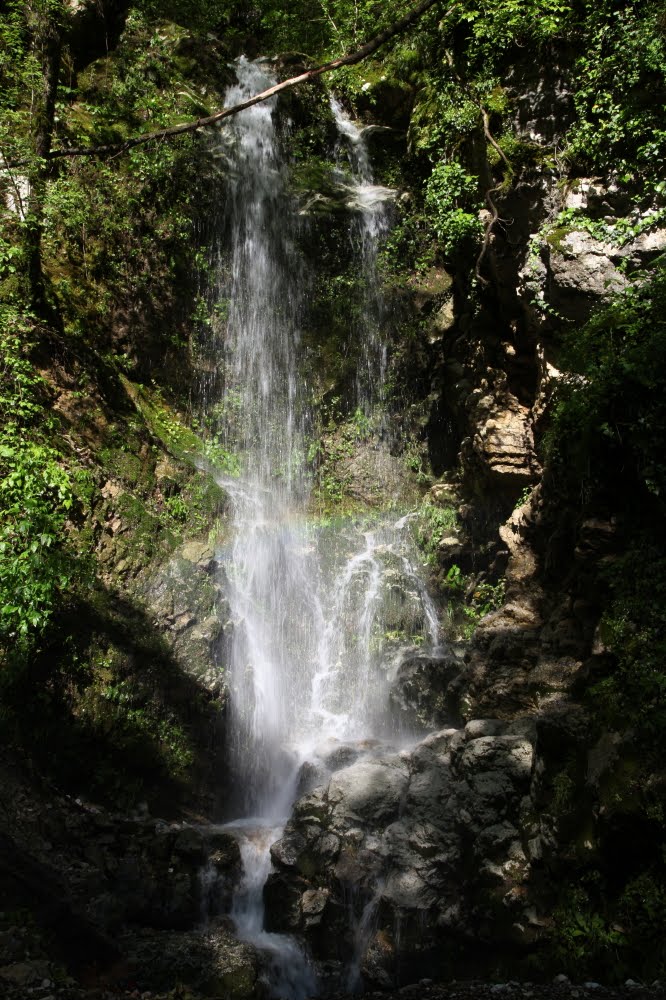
(370, 790)
(213, 963)
(442, 322)
(313, 902)
(223, 850)
(26, 974)
(501, 447)
(476, 728)
(424, 688)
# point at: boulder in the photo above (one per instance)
(408, 853)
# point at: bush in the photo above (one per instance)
(452, 199)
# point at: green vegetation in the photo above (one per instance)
(467, 599)
(605, 452)
(434, 523)
(38, 495)
(99, 478)
(450, 192)
(611, 408)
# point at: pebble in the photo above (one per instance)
(559, 989)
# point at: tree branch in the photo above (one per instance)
(175, 130)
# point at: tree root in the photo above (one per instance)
(494, 213)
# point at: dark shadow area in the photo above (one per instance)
(106, 711)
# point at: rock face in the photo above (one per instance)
(574, 271)
(425, 690)
(409, 860)
(187, 600)
(213, 963)
(502, 443)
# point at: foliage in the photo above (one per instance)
(617, 938)
(35, 499)
(19, 76)
(484, 598)
(586, 942)
(197, 15)
(325, 27)
(118, 250)
(137, 722)
(642, 910)
(445, 115)
(450, 194)
(497, 24)
(620, 87)
(37, 494)
(632, 626)
(434, 523)
(408, 248)
(468, 600)
(611, 409)
(611, 414)
(605, 452)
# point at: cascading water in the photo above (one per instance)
(370, 222)
(308, 659)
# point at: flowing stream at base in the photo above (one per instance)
(309, 665)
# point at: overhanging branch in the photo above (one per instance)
(175, 130)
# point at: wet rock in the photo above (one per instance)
(368, 790)
(223, 851)
(415, 840)
(189, 843)
(424, 688)
(341, 756)
(282, 902)
(477, 728)
(186, 598)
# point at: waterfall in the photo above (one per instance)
(308, 659)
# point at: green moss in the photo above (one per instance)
(555, 238)
(520, 153)
(175, 435)
(128, 467)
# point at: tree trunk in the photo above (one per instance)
(47, 44)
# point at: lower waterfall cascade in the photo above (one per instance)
(309, 668)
